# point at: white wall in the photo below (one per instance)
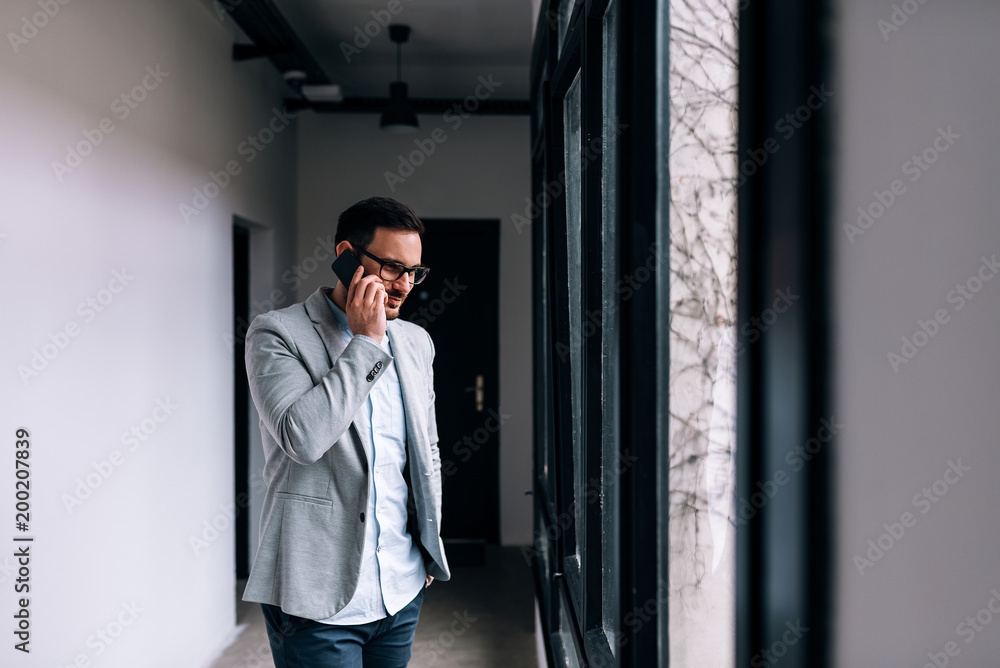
(481, 169)
(159, 339)
(902, 427)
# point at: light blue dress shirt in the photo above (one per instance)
(392, 567)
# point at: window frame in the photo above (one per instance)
(783, 569)
(578, 591)
(783, 50)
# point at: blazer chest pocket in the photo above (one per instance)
(315, 500)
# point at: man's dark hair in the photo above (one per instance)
(357, 224)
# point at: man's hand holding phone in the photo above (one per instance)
(366, 300)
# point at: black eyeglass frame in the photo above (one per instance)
(406, 270)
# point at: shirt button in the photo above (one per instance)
(378, 549)
(362, 517)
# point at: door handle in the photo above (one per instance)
(478, 388)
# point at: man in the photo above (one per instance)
(350, 528)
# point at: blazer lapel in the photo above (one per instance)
(411, 386)
(326, 325)
(333, 340)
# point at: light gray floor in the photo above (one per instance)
(482, 618)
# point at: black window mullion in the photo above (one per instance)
(783, 220)
(592, 118)
(571, 581)
(563, 76)
(564, 533)
(562, 372)
(641, 520)
(551, 77)
(540, 336)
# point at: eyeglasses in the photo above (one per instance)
(392, 271)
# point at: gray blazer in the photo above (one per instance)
(309, 387)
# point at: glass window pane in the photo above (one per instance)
(612, 467)
(546, 416)
(564, 13)
(543, 545)
(574, 249)
(540, 108)
(696, 141)
(565, 632)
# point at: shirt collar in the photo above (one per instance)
(338, 313)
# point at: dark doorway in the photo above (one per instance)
(458, 304)
(241, 398)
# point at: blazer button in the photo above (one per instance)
(362, 517)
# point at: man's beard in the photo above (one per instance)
(392, 312)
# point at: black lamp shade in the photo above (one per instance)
(399, 115)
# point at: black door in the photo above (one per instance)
(458, 304)
(241, 398)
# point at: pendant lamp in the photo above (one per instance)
(399, 116)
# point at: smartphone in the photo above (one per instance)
(344, 266)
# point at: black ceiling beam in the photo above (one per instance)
(461, 106)
(273, 37)
(251, 51)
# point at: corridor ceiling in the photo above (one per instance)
(452, 44)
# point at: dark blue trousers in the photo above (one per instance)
(304, 643)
